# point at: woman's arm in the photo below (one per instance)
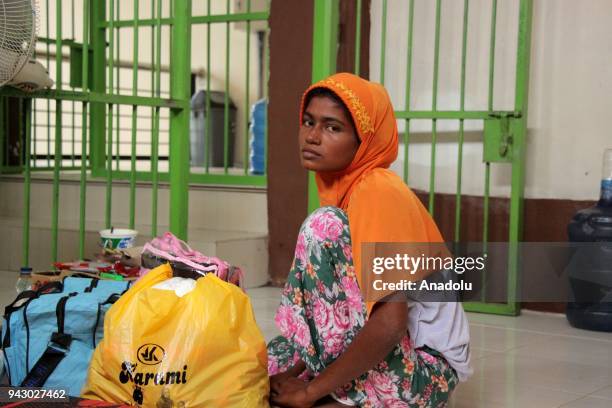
(385, 328)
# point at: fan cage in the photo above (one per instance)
(18, 28)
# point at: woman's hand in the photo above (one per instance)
(277, 379)
(292, 393)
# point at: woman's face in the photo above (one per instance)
(328, 141)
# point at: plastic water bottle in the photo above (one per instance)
(25, 279)
(605, 195)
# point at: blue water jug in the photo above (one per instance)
(590, 273)
(257, 131)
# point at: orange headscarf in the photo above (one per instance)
(379, 205)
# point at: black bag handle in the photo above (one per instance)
(27, 295)
(55, 286)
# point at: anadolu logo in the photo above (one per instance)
(150, 354)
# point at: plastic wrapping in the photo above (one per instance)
(202, 348)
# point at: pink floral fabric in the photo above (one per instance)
(322, 311)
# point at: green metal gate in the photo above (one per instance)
(504, 131)
(103, 98)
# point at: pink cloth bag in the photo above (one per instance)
(174, 250)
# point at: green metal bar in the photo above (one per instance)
(383, 42)
(247, 96)
(118, 130)
(109, 141)
(134, 123)
(48, 43)
(48, 169)
(208, 122)
(26, 185)
(3, 132)
(226, 101)
(97, 106)
(143, 22)
(97, 97)
(358, 38)
(231, 18)
(152, 68)
(153, 55)
(434, 106)
(325, 41)
(46, 40)
(73, 24)
(34, 114)
(180, 84)
(58, 133)
(518, 148)
(153, 196)
(466, 5)
(155, 136)
(213, 18)
(408, 86)
(492, 53)
(12, 170)
(493, 308)
(448, 114)
(485, 221)
(235, 180)
(83, 184)
(194, 178)
(118, 90)
(73, 130)
(83, 181)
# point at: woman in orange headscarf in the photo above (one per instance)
(340, 341)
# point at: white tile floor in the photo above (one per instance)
(535, 360)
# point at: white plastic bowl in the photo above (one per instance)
(118, 238)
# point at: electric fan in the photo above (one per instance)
(18, 26)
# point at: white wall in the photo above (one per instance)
(570, 84)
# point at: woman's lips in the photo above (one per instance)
(310, 154)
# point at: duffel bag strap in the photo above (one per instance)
(22, 299)
(58, 347)
(56, 350)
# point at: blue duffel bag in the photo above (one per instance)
(48, 335)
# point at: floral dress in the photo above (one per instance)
(321, 312)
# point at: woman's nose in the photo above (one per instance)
(314, 135)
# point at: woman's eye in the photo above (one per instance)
(333, 128)
(307, 122)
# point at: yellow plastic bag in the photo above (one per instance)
(203, 349)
